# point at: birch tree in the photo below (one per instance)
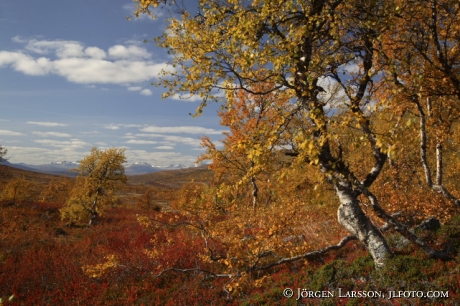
(325, 58)
(99, 175)
(18, 190)
(422, 69)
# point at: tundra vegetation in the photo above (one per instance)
(154, 254)
(343, 136)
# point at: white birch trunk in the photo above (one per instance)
(351, 216)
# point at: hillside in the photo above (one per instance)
(172, 179)
(162, 186)
(123, 258)
(7, 173)
(169, 179)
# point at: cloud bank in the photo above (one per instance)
(125, 65)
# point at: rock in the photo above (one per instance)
(430, 224)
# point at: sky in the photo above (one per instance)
(77, 74)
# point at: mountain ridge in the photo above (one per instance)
(65, 167)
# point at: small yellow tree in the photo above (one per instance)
(18, 190)
(99, 175)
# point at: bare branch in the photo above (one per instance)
(212, 274)
(308, 255)
(442, 190)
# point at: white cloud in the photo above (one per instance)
(186, 98)
(349, 68)
(120, 51)
(173, 139)
(111, 127)
(10, 133)
(84, 71)
(144, 135)
(61, 48)
(66, 145)
(73, 151)
(115, 126)
(141, 142)
(18, 39)
(131, 125)
(180, 129)
(46, 123)
(195, 98)
(53, 134)
(146, 92)
(164, 148)
(39, 155)
(170, 140)
(160, 158)
(83, 65)
(130, 8)
(95, 52)
(24, 63)
(194, 142)
(134, 88)
(90, 133)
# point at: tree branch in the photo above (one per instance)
(308, 255)
(403, 230)
(215, 275)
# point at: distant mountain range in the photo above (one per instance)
(64, 167)
(143, 168)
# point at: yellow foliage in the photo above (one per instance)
(100, 174)
(314, 93)
(144, 221)
(95, 271)
(18, 190)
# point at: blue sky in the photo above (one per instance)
(77, 74)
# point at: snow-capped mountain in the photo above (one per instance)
(57, 168)
(175, 166)
(140, 168)
(64, 167)
(143, 168)
(65, 164)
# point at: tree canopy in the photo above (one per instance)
(335, 75)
